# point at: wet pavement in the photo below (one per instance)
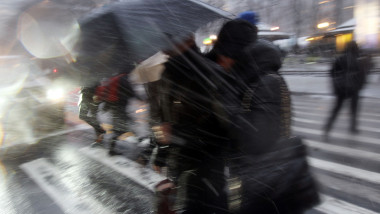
(62, 174)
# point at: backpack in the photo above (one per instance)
(109, 90)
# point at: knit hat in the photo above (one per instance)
(234, 38)
(249, 16)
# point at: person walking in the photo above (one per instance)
(118, 92)
(191, 135)
(273, 178)
(88, 109)
(348, 75)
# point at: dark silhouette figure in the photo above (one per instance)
(88, 110)
(190, 133)
(121, 120)
(273, 173)
(348, 75)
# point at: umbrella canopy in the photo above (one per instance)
(123, 34)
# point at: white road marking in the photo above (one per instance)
(332, 205)
(5, 199)
(141, 175)
(362, 139)
(320, 123)
(354, 153)
(345, 170)
(343, 116)
(327, 111)
(328, 100)
(48, 178)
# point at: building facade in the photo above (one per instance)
(300, 17)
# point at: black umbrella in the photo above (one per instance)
(115, 38)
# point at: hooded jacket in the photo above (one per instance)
(259, 106)
(275, 177)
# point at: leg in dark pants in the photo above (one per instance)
(120, 120)
(206, 190)
(334, 113)
(91, 109)
(354, 112)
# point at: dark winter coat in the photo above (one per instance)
(187, 101)
(126, 91)
(349, 72)
(274, 174)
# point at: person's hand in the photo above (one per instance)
(96, 99)
(157, 169)
(225, 62)
(162, 133)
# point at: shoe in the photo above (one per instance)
(113, 153)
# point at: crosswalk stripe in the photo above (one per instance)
(355, 153)
(49, 179)
(321, 104)
(345, 170)
(141, 175)
(362, 139)
(329, 99)
(335, 206)
(327, 110)
(324, 115)
(316, 122)
(5, 198)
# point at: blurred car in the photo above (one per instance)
(31, 100)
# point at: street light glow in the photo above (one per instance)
(323, 25)
(275, 28)
(207, 41)
(213, 37)
(323, 2)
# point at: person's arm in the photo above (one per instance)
(260, 126)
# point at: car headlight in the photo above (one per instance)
(55, 94)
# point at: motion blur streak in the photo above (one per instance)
(1, 135)
(5, 202)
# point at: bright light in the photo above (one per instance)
(140, 110)
(349, 7)
(207, 41)
(274, 28)
(213, 37)
(323, 25)
(323, 2)
(314, 38)
(55, 94)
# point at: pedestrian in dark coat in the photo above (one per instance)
(191, 131)
(121, 120)
(88, 110)
(259, 110)
(348, 75)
